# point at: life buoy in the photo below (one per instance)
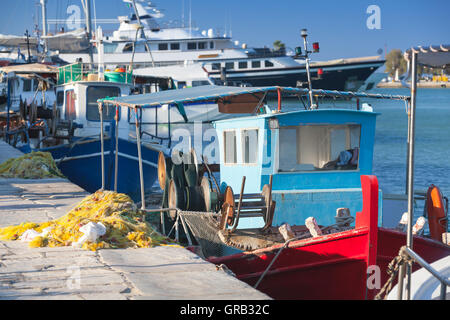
(436, 213)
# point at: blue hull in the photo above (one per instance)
(81, 164)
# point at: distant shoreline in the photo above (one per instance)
(440, 85)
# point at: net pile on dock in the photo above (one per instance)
(125, 225)
(34, 165)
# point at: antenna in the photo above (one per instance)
(298, 54)
(190, 18)
(182, 14)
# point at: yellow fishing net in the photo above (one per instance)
(34, 165)
(125, 225)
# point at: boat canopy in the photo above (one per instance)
(218, 94)
(432, 56)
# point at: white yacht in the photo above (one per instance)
(194, 57)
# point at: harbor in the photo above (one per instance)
(163, 162)
(160, 273)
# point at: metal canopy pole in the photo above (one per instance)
(116, 169)
(100, 110)
(141, 172)
(312, 105)
(409, 238)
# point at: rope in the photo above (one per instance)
(285, 245)
(392, 270)
(342, 223)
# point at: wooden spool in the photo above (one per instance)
(228, 199)
(164, 170)
(176, 198)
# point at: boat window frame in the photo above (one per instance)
(216, 66)
(60, 95)
(228, 64)
(318, 170)
(258, 62)
(109, 106)
(163, 46)
(243, 153)
(175, 44)
(241, 63)
(235, 131)
(192, 44)
(268, 64)
(29, 85)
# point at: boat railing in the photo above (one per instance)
(411, 255)
(87, 72)
(157, 138)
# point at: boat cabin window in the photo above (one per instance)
(211, 44)
(319, 147)
(229, 65)
(197, 83)
(243, 65)
(59, 98)
(250, 146)
(128, 47)
(192, 45)
(256, 64)
(175, 46)
(268, 63)
(99, 92)
(26, 85)
(230, 151)
(163, 46)
(215, 66)
(181, 84)
(202, 45)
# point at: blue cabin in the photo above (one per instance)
(316, 158)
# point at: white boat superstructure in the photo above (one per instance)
(152, 47)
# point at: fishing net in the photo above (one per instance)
(125, 225)
(204, 227)
(34, 165)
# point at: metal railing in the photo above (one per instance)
(407, 252)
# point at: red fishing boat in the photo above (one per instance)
(343, 265)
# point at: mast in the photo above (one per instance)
(143, 32)
(44, 23)
(87, 10)
(304, 34)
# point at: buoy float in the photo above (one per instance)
(436, 213)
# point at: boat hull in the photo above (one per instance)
(81, 164)
(329, 267)
(338, 266)
(345, 77)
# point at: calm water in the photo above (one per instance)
(432, 148)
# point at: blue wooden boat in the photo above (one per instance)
(74, 138)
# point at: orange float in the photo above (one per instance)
(436, 213)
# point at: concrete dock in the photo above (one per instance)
(162, 273)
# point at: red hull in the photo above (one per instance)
(332, 266)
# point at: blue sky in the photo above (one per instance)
(339, 26)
